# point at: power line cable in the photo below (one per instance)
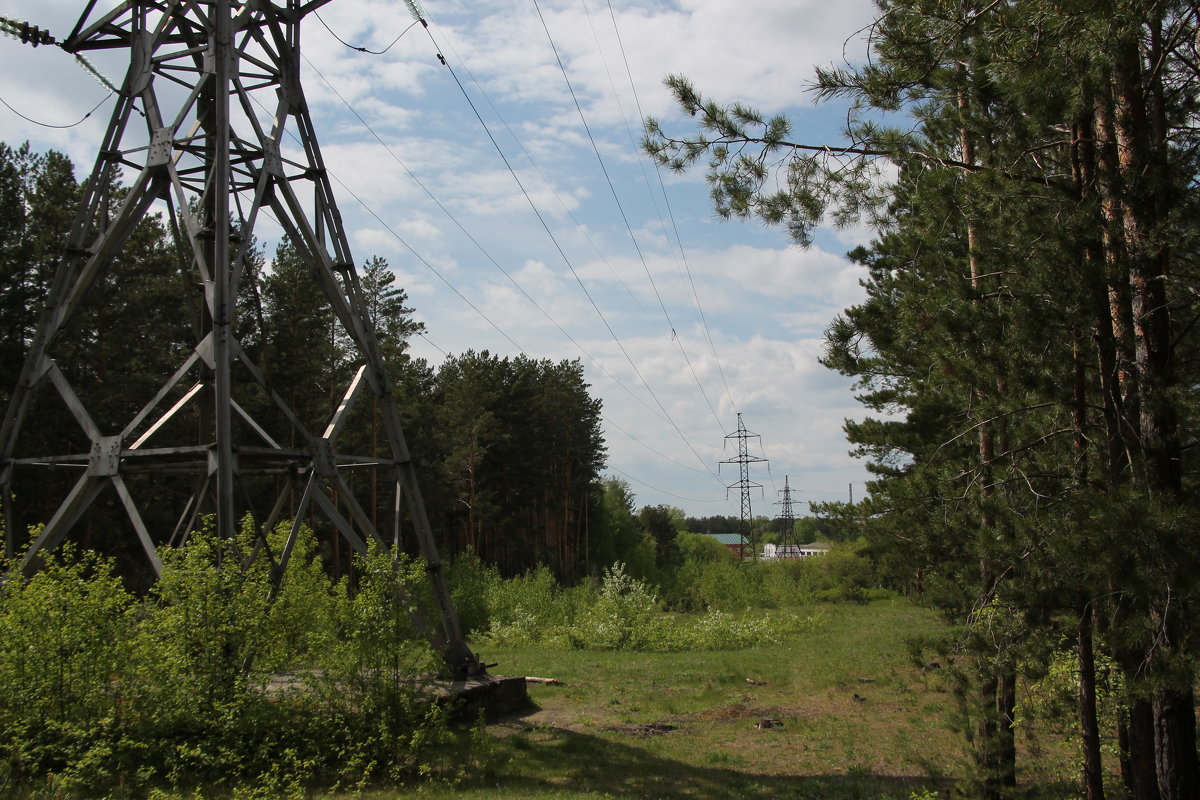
(671, 214)
(608, 420)
(595, 361)
(663, 456)
(583, 230)
(566, 260)
(520, 288)
(363, 49)
(432, 343)
(603, 167)
(429, 265)
(579, 226)
(664, 491)
(621, 208)
(56, 127)
(678, 341)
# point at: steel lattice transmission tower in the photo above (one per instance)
(787, 515)
(212, 125)
(744, 484)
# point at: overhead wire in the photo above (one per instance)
(624, 217)
(654, 201)
(608, 420)
(661, 455)
(620, 206)
(450, 285)
(679, 239)
(616, 339)
(671, 214)
(428, 264)
(579, 226)
(88, 67)
(566, 260)
(603, 167)
(582, 229)
(664, 491)
(450, 215)
(364, 49)
(56, 127)
(446, 281)
(418, 18)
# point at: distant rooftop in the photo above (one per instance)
(726, 538)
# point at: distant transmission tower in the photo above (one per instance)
(212, 125)
(744, 460)
(787, 517)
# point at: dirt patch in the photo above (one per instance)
(735, 712)
(562, 719)
(642, 731)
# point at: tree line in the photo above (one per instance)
(1027, 344)
(508, 449)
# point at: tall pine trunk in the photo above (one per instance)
(1142, 153)
(1089, 726)
(995, 744)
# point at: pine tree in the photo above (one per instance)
(303, 357)
(520, 451)
(1021, 320)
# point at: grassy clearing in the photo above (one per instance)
(856, 719)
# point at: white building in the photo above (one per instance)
(774, 551)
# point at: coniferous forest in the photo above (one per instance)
(1028, 345)
(505, 447)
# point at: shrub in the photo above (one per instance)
(303, 622)
(719, 630)
(471, 583)
(708, 582)
(105, 694)
(369, 685)
(625, 615)
(532, 608)
(63, 664)
(723, 585)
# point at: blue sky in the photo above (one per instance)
(680, 320)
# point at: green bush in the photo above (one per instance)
(625, 616)
(369, 687)
(472, 582)
(66, 675)
(532, 608)
(719, 630)
(710, 578)
(304, 621)
(106, 694)
(624, 613)
(727, 585)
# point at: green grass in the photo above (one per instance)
(856, 719)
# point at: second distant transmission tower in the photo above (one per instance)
(744, 460)
(787, 536)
